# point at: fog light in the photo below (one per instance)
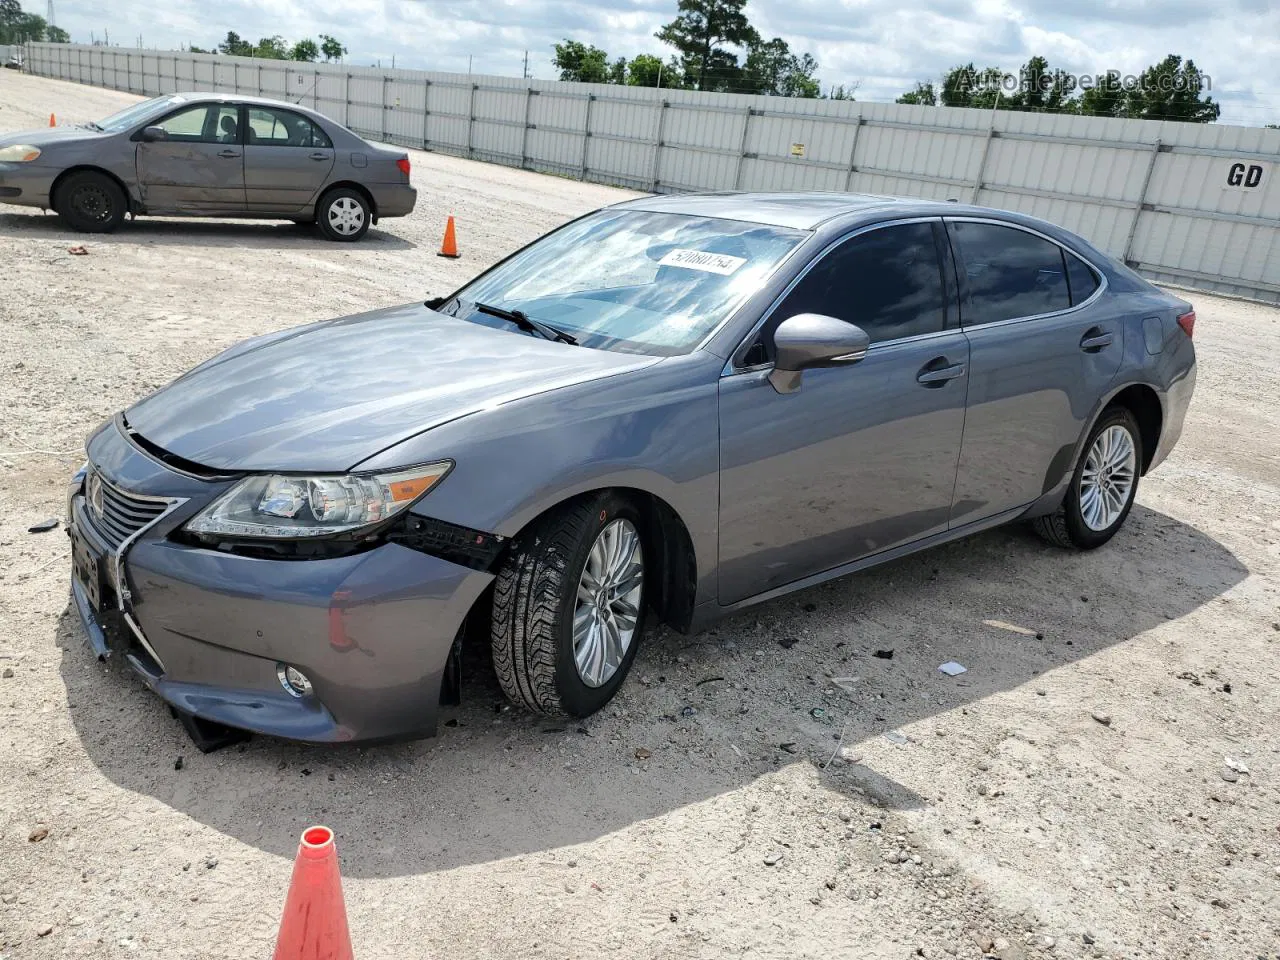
(293, 680)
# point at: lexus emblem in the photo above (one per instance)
(93, 493)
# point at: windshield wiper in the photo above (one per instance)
(526, 322)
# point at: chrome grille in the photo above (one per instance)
(116, 514)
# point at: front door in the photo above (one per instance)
(199, 167)
(862, 458)
(1042, 350)
(287, 160)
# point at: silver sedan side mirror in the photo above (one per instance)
(813, 340)
(153, 134)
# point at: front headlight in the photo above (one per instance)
(288, 507)
(19, 153)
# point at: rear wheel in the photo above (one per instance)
(568, 607)
(1103, 487)
(343, 214)
(91, 202)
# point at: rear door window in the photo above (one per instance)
(1081, 278)
(272, 127)
(886, 281)
(1010, 273)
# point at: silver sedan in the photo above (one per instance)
(208, 155)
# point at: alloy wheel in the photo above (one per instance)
(607, 605)
(1106, 483)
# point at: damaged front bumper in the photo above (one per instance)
(211, 631)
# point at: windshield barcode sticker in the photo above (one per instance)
(720, 263)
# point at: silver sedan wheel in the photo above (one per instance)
(346, 216)
(1106, 483)
(608, 603)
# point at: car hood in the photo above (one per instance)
(48, 136)
(322, 398)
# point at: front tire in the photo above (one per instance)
(1103, 486)
(344, 215)
(91, 202)
(569, 607)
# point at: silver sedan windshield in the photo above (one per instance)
(124, 119)
(633, 281)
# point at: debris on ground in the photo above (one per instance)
(79, 250)
(1102, 718)
(38, 834)
(790, 746)
(896, 736)
(884, 654)
(953, 669)
(786, 643)
(643, 753)
(1238, 766)
(774, 858)
(44, 526)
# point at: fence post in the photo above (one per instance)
(426, 112)
(742, 148)
(1142, 199)
(524, 134)
(657, 147)
(346, 100)
(471, 115)
(315, 90)
(383, 122)
(586, 137)
(982, 164)
(853, 154)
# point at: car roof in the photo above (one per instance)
(809, 211)
(238, 98)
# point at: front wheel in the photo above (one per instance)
(91, 202)
(1102, 488)
(569, 606)
(343, 214)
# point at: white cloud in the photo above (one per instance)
(883, 44)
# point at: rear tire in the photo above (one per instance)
(91, 202)
(542, 618)
(1102, 488)
(344, 215)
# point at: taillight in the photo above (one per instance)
(1188, 322)
(403, 164)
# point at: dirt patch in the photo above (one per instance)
(908, 814)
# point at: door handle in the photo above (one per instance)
(1095, 339)
(229, 154)
(932, 375)
(319, 156)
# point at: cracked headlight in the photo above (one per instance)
(19, 153)
(291, 507)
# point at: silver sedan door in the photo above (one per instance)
(287, 160)
(199, 167)
(862, 458)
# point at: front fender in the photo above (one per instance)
(654, 430)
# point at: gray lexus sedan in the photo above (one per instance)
(672, 408)
(207, 155)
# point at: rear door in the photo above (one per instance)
(1043, 346)
(199, 167)
(287, 159)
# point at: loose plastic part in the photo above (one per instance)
(314, 925)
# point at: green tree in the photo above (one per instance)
(331, 48)
(967, 86)
(618, 71)
(924, 94)
(1042, 90)
(192, 48)
(645, 70)
(1172, 90)
(271, 48)
(305, 50)
(771, 68)
(843, 92)
(233, 46)
(700, 32)
(56, 34)
(580, 62)
(16, 26)
(1106, 98)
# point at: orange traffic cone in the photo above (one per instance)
(314, 925)
(450, 246)
(53, 121)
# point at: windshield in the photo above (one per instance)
(632, 281)
(129, 116)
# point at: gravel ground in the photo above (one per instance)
(1071, 795)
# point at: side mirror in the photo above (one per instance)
(813, 340)
(152, 134)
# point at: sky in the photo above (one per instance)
(882, 46)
